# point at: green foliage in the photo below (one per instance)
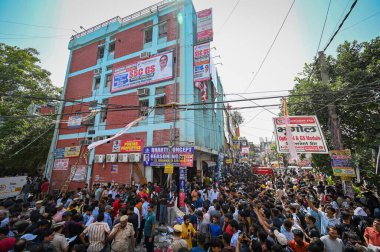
(355, 71)
(237, 118)
(21, 78)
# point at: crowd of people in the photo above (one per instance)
(287, 212)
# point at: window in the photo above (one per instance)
(103, 115)
(109, 68)
(100, 52)
(148, 33)
(163, 30)
(160, 90)
(97, 82)
(159, 102)
(111, 47)
(144, 104)
(93, 105)
(108, 80)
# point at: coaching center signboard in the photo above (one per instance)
(155, 69)
(306, 134)
(204, 26)
(202, 62)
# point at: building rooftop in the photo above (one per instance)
(128, 19)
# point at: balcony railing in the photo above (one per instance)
(144, 12)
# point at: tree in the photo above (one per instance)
(237, 118)
(354, 87)
(22, 83)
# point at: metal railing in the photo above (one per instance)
(147, 11)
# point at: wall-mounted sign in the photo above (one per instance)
(306, 133)
(159, 156)
(74, 122)
(204, 26)
(202, 62)
(61, 164)
(186, 160)
(114, 168)
(341, 163)
(155, 69)
(228, 161)
(72, 151)
(78, 174)
(169, 168)
(127, 145)
(245, 150)
(59, 153)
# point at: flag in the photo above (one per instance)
(124, 130)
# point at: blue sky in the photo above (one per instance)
(242, 41)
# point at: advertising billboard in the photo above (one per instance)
(127, 145)
(202, 62)
(11, 186)
(78, 174)
(61, 164)
(74, 122)
(159, 156)
(341, 163)
(306, 132)
(204, 26)
(155, 69)
(72, 151)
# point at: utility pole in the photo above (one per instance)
(334, 123)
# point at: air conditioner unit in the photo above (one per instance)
(99, 158)
(144, 55)
(85, 142)
(143, 92)
(111, 158)
(97, 71)
(122, 158)
(134, 157)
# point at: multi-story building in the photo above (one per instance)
(100, 99)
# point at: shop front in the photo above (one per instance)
(157, 159)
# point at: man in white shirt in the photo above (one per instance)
(331, 241)
(214, 194)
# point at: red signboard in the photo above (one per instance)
(262, 170)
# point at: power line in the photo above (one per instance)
(33, 25)
(361, 21)
(270, 48)
(323, 29)
(229, 15)
(340, 25)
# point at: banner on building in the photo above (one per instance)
(159, 156)
(61, 164)
(74, 122)
(341, 163)
(228, 161)
(78, 174)
(11, 186)
(127, 145)
(204, 26)
(186, 160)
(306, 134)
(245, 150)
(155, 69)
(59, 153)
(169, 168)
(72, 151)
(114, 168)
(202, 62)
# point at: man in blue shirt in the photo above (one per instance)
(201, 241)
(107, 216)
(145, 207)
(149, 227)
